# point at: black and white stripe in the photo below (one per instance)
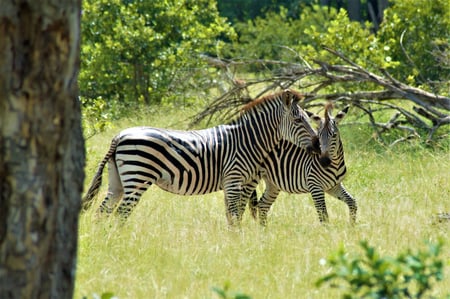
(225, 157)
(292, 169)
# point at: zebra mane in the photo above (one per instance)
(297, 95)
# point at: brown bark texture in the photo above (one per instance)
(41, 147)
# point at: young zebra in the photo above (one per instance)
(292, 169)
(198, 162)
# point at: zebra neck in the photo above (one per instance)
(338, 160)
(260, 134)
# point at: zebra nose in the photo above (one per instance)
(324, 160)
(315, 148)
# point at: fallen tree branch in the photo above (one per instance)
(413, 109)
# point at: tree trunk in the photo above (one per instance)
(354, 10)
(41, 147)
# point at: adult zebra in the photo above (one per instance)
(224, 157)
(291, 169)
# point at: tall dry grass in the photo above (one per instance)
(180, 247)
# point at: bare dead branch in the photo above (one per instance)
(371, 93)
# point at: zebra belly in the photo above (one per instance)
(288, 186)
(288, 173)
(296, 174)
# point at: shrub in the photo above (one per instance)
(276, 36)
(416, 31)
(409, 275)
(140, 51)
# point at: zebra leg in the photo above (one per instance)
(115, 190)
(254, 204)
(340, 193)
(266, 201)
(318, 197)
(249, 196)
(233, 197)
(132, 196)
(110, 202)
(243, 201)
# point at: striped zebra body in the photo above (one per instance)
(186, 163)
(225, 157)
(292, 169)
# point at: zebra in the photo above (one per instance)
(224, 157)
(292, 169)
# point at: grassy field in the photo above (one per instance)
(180, 247)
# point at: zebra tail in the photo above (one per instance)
(96, 183)
(253, 204)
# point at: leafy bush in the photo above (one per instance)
(334, 29)
(279, 37)
(140, 51)
(409, 275)
(265, 37)
(416, 32)
(95, 117)
(412, 41)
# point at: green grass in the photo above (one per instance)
(180, 247)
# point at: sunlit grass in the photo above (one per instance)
(180, 247)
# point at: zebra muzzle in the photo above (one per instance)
(315, 146)
(324, 160)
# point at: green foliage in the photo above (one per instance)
(412, 42)
(334, 29)
(266, 37)
(409, 275)
(416, 32)
(141, 51)
(226, 293)
(96, 118)
(279, 37)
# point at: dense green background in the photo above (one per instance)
(152, 52)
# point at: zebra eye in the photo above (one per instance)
(298, 120)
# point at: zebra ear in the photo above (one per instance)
(286, 97)
(328, 110)
(291, 96)
(341, 114)
(314, 117)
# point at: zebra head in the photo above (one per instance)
(328, 135)
(295, 126)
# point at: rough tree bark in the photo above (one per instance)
(41, 147)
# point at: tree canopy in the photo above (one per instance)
(173, 51)
(139, 51)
